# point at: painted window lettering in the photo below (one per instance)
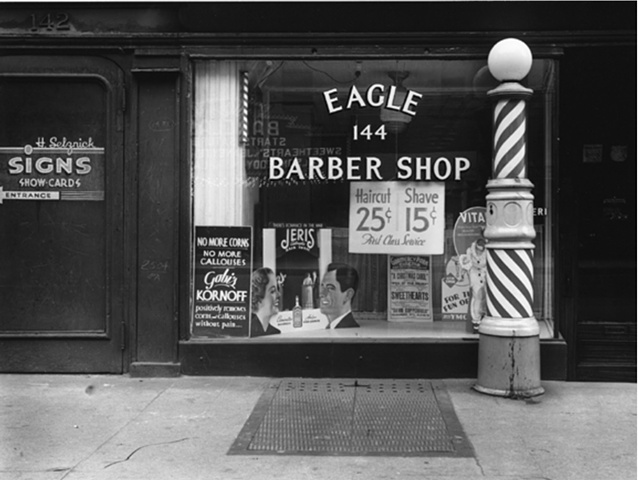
(47, 165)
(375, 96)
(366, 168)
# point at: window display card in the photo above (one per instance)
(409, 288)
(404, 218)
(223, 264)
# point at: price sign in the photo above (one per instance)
(397, 217)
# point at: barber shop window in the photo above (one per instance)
(377, 165)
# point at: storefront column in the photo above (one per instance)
(155, 105)
(509, 345)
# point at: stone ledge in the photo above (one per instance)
(155, 369)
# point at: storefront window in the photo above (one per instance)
(378, 164)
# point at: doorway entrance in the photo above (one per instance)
(598, 183)
(61, 159)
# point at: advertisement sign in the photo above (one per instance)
(409, 288)
(463, 286)
(455, 284)
(223, 264)
(311, 319)
(468, 228)
(397, 217)
(52, 169)
(297, 266)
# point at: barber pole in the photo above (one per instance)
(510, 152)
(510, 289)
(243, 121)
(509, 349)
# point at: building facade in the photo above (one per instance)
(154, 157)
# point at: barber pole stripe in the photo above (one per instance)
(243, 121)
(510, 153)
(510, 283)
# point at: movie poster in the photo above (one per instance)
(409, 288)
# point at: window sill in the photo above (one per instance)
(375, 331)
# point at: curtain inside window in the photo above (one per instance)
(221, 194)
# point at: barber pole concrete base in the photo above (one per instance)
(509, 358)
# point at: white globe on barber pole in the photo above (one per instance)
(510, 60)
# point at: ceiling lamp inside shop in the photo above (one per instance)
(395, 120)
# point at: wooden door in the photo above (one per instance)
(61, 156)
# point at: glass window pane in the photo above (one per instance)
(308, 131)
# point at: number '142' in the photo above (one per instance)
(50, 22)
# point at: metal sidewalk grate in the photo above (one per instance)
(348, 417)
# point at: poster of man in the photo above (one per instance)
(463, 287)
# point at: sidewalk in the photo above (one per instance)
(81, 427)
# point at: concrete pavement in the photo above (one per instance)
(80, 427)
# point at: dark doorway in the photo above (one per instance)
(598, 217)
